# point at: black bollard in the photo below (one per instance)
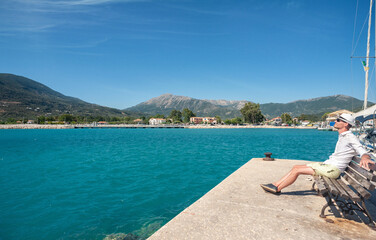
(268, 156)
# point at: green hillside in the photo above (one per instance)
(313, 106)
(21, 97)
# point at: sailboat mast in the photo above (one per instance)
(367, 59)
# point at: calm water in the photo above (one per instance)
(88, 183)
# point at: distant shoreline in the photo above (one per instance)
(249, 126)
(63, 126)
(36, 126)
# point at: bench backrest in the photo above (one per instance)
(360, 178)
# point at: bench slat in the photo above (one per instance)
(332, 188)
(362, 171)
(351, 193)
(359, 188)
(359, 178)
(342, 191)
(320, 185)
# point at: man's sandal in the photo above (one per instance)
(270, 188)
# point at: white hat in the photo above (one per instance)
(346, 117)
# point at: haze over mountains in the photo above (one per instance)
(22, 97)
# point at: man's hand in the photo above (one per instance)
(365, 161)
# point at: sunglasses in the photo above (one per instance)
(340, 120)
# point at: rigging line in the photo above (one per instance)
(372, 74)
(352, 82)
(356, 16)
(361, 62)
(374, 65)
(373, 69)
(357, 41)
(361, 57)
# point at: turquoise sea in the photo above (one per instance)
(89, 183)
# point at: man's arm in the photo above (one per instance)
(365, 161)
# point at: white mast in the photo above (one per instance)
(367, 59)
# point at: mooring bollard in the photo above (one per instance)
(268, 156)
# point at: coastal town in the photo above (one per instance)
(283, 121)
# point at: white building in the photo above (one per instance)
(305, 123)
(277, 121)
(209, 120)
(198, 120)
(156, 121)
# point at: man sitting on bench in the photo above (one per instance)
(347, 147)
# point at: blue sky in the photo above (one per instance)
(118, 53)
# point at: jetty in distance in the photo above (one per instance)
(127, 126)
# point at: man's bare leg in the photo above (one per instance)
(291, 176)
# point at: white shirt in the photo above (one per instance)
(347, 147)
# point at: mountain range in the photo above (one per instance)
(21, 97)
(165, 103)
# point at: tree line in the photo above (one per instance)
(251, 113)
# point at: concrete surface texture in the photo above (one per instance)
(238, 208)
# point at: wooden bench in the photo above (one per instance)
(349, 191)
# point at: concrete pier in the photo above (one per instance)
(238, 208)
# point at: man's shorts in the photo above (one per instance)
(327, 170)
